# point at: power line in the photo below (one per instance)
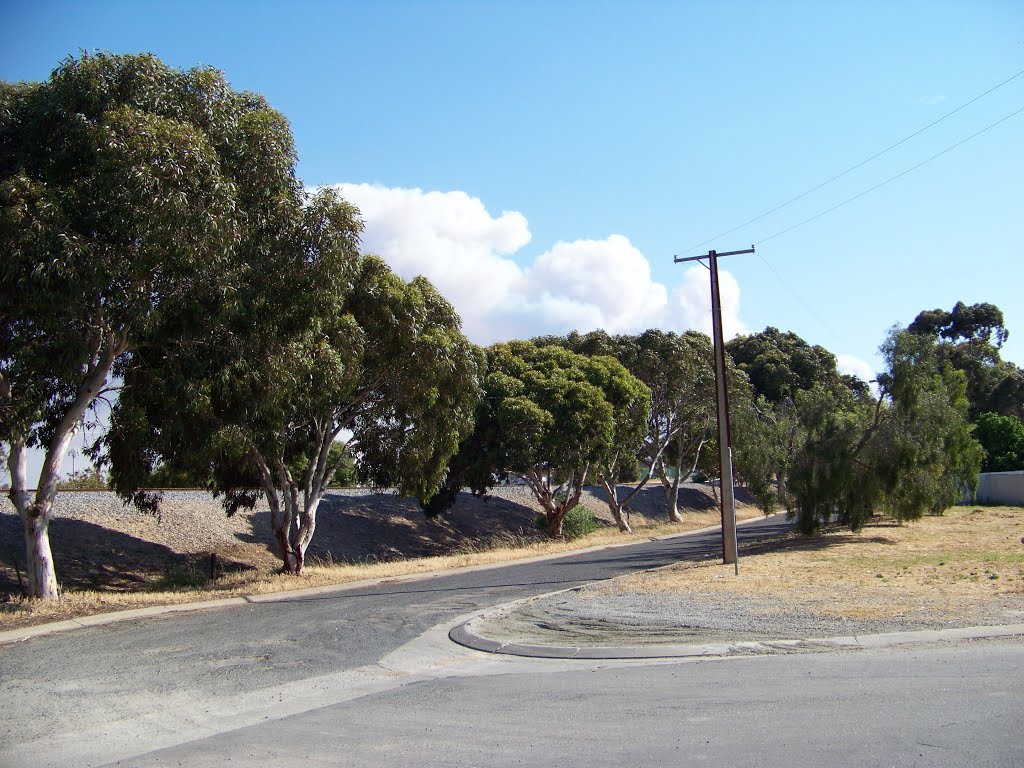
(858, 165)
(891, 178)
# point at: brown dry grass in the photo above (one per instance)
(943, 564)
(193, 586)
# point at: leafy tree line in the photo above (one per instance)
(163, 257)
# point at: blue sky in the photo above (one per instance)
(543, 161)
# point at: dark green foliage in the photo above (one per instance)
(132, 195)
(969, 339)
(578, 522)
(763, 437)
(977, 322)
(679, 371)
(1002, 438)
(907, 454)
(549, 416)
(781, 364)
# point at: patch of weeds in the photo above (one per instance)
(187, 577)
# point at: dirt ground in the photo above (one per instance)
(967, 559)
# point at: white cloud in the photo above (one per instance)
(857, 367)
(692, 301)
(470, 255)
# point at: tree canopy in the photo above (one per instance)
(1002, 438)
(969, 338)
(551, 416)
(127, 188)
(907, 453)
(781, 364)
(343, 354)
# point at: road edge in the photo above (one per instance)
(134, 614)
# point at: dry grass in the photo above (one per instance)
(942, 564)
(191, 584)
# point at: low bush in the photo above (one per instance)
(579, 521)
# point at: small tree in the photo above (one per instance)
(127, 188)
(552, 416)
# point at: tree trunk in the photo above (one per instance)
(36, 515)
(555, 520)
(42, 579)
(281, 534)
(672, 498)
(304, 532)
(615, 507)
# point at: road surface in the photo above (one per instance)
(367, 676)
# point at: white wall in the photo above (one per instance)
(1001, 488)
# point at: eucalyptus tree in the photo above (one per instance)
(677, 369)
(553, 416)
(328, 349)
(127, 188)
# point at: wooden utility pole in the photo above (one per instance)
(730, 549)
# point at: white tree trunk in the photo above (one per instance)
(36, 513)
(42, 578)
(35, 517)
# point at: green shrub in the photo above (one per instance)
(86, 480)
(579, 521)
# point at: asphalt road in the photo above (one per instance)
(928, 707)
(184, 688)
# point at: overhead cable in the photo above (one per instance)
(891, 178)
(858, 165)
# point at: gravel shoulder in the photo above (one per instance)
(962, 569)
(589, 617)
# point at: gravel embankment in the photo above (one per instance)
(99, 543)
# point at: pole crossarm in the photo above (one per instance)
(678, 260)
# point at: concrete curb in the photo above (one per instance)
(466, 636)
(114, 617)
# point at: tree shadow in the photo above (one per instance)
(791, 540)
(651, 501)
(87, 557)
(381, 526)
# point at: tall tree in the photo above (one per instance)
(781, 364)
(126, 189)
(679, 371)
(335, 350)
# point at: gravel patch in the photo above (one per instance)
(581, 617)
